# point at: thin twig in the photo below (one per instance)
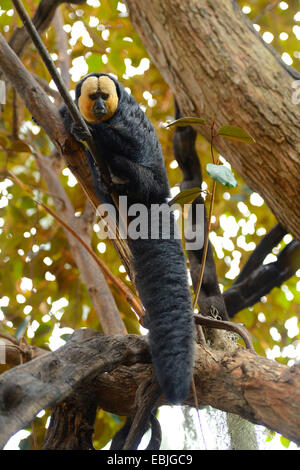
(225, 325)
(197, 409)
(205, 248)
(267, 9)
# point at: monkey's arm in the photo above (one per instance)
(146, 184)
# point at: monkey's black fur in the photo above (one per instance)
(128, 143)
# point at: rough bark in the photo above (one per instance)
(53, 377)
(214, 40)
(217, 66)
(255, 388)
(72, 423)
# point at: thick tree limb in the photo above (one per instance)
(204, 50)
(269, 241)
(261, 391)
(72, 423)
(27, 389)
(263, 279)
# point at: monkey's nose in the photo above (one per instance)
(99, 108)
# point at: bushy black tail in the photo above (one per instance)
(161, 281)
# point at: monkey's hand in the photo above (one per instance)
(78, 132)
(120, 186)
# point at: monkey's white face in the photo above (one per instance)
(98, 100)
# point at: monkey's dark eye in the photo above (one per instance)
(93, 96)
(104, 96)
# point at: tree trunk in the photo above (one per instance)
(218, 67)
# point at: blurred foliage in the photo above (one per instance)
(41, 294)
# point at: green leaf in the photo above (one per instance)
(43, 329)
(186, 197)
(94, 62)
(25, 443)
(22, 328)
(5, 4)
(116, 418)
(17, 269)
(284, 441)
(186, 121)
(27, 202)
(235, 133)
(66, 336)
(221, 174)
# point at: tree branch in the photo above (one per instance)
(263, 279)
(72, 423)
(270, 240)
(147, 396)
(51, 378)
(259, 390)
(17, 351)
